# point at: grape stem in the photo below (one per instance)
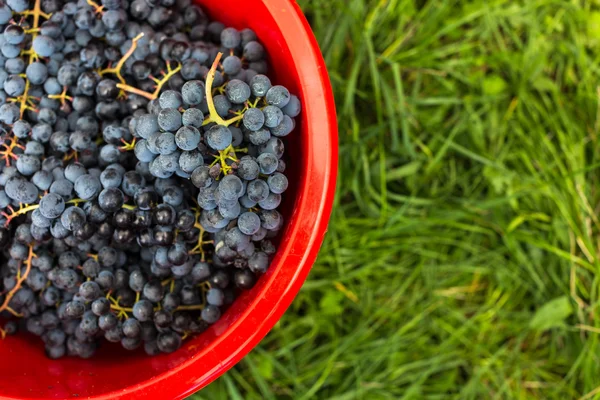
(97, 9)
(117, 68)
(198, 249)
(8, 151)
(20, 279)
(159, 83)
(71, 155)
(23, 209)
(63, 97)
(127, 146)
(213, 115)
(25, 101)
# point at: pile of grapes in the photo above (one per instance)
(140, 171)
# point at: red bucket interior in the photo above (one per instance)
(25, 372)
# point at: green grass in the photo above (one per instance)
(463, 255)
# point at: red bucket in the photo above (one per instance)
(26, 373)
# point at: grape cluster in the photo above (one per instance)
(140, 171)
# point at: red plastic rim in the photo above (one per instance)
(25, 373)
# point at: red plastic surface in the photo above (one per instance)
(25, 373)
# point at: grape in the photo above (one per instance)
(278, 183)
(75, 309)
(132, 182)
(110, 153)
(189, 161)
(247, 35)
(193, 117)
(163, 318)
(169, 119)
(131, 328)
(14, 85)
(249, 223)
(18, 5)
(100, 306)
(74, 171)
(28, 165)
(215, 297)
(5, 14)
(165, 143)
(142, 310)
(254, 119)
(259, 137)
(238, 92)
(14, 34)
(110, 199)
(107, 322)
(73, 218)
(56, 352)
(168, 342)
(248, 169)
(187, 138)
(21, 190)
(284, 128)
(89, 290)
(114, 19)
(260, 67)
(270, 219)
(107, 256)
(52, 206)
(10, 50)
(67, 75)
(293, 108)
(39, 220)
(219, 137)
(254, 51)
(232, 65)
(258, 262)
(273, 116)
(170, 99)
(257, 190)
(173, 196)
(211, 314)
(87, 186)
(271, 202)
(244, 279)
(153, 291)
(146, 125)
(246, 202)
(44, 45)
(145, 199)
(111, 178)
(167, 162)
(201, 177)
(230, 38)
(260, 85)
(273, 146)
(278, 96)
(268, 163)
(51, 28)
(222, 105)
(193, 92)
(230, 187)
(62, 187)
(14, 65)
(140, 70)
(47, 115)
(236, 240)
(84, 18)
